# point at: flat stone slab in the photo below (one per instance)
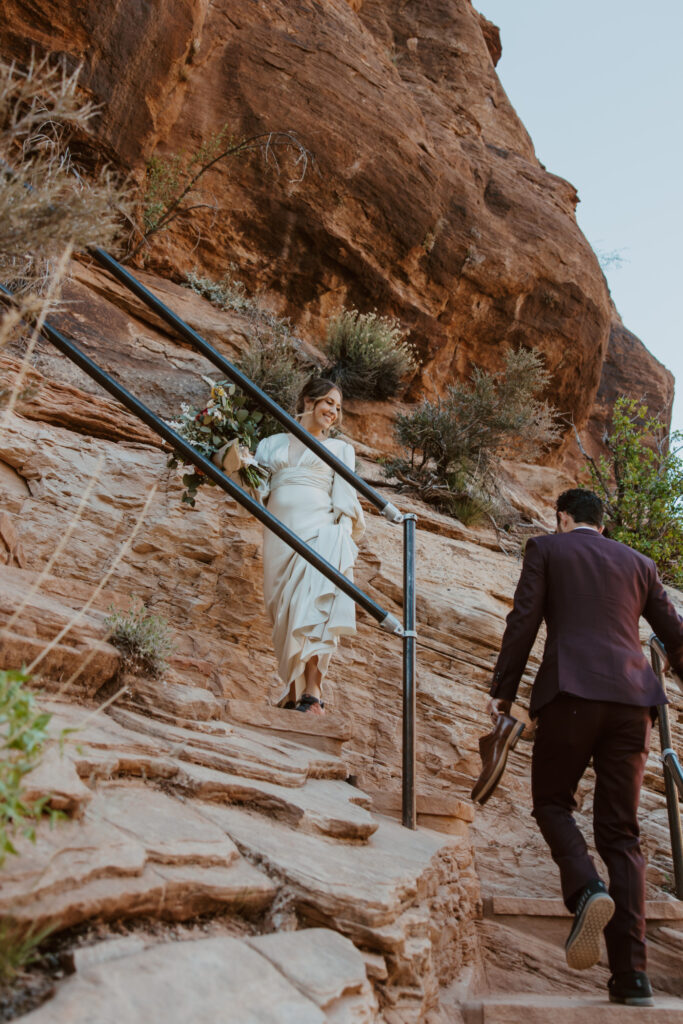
(209, 981)
(435, 804)
(236, 750)
(328, 732)
(441, 812)
(370, 885)
(56, 777)
(655, 910)
(170, 830)
(326, 967)
(43, 617)
(328, 806)
(174, 892)
(177, 701)
(137, 851)
(542, 1009)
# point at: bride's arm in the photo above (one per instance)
(345, 502)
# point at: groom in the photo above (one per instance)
(593, 698)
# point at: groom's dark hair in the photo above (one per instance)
(583, 506)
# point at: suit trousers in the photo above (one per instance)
(572, 730)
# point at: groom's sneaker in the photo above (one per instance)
(592, 913)
(632, 988)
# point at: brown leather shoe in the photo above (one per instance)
(493, 750)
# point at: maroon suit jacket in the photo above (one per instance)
(591, 591)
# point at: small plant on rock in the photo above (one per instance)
(228, 293)
(454, 444)
(275, 359)
(641, 484)
(275, 362)
(23, 731)
(19, 948)
(369, 355)
(145, 640)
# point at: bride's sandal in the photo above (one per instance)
(311, 705)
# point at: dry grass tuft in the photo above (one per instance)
(46, 202)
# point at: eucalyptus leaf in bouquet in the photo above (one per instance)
(226, 431)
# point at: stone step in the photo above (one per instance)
(438, 811)
(236, 749)
(532, 906)
(328, 806)
(541, 1009)
(310, 976)
(322, 732)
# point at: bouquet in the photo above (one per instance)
(227, 432)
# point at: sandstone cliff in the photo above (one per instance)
(424, 198)
(212, 844)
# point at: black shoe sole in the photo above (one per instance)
(632, 1000)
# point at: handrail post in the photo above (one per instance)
(409, 665)
(657, 656)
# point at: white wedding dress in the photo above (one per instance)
(307, 612)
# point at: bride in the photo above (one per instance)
(307, 612)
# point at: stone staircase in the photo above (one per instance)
(524, 979)
(170, 819)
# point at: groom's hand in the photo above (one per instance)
(496, 707)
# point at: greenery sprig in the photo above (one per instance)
(640, 481)
(23, 731)
(226, 417)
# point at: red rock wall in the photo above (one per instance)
(426, 200)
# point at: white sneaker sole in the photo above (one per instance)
(585, 948)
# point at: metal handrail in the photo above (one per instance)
(292, 425)
(673, 774)
(389, 511)
(386, 620)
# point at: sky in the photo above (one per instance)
(598, 85)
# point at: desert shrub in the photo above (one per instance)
(369, 355)
(275, 359)
(227, 293)
(276, 363)
(453, 445)
(46, 202)
(23, 731)
(144, 639)
(640, 481)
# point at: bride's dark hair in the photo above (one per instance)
(315, 389)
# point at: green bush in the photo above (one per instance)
(275, 363)
(23, 731)
(275, 359)
(369, 355)
(228, 293)
(641, 484)
(453, 445)
(144, 639)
